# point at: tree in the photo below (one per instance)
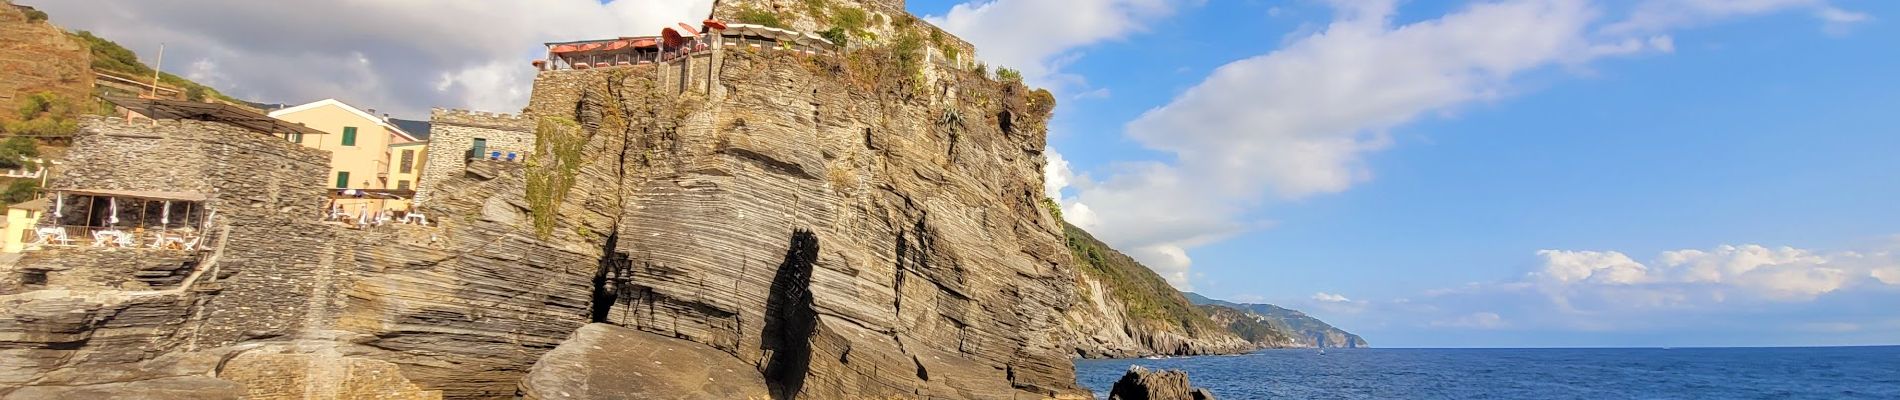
(20, 190)
(15, 148)
(43, 114)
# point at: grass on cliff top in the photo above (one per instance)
(110, 57)
(1150, 300)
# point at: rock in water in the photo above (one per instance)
(1141, 384)
(604, 361)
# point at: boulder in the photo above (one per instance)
(1141, 384)
(603, 361)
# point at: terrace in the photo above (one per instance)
(672, 44)
(123, 219)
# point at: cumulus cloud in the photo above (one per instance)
(398, 56)
(1300, 121)
(1752, 271)
(999, 29)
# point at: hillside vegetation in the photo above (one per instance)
(1151, 302)
(111, 58)
(1304, 325)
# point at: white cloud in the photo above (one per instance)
(1298, 121)
(1663, 15)
(1680, 277)
(1301, 120)
(1838, 21)
(1038, 37)
(1478, 320)
(398, 56)
(1330, 298)
(1591, 266)
(1055, 174)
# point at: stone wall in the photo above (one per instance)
(453, 132)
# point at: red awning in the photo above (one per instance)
(672, 37)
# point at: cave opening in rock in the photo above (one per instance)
(790, 319)
(611, 279)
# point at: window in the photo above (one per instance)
(349, 136)
(402, 185)
(296, 138)
(342, 179)
(408, 161)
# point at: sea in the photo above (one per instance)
(1640, 373)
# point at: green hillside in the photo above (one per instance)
(1150, 300)
(1299, 322)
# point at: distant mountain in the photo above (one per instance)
(1306, 326)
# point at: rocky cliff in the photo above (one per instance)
(1126, 310)
(36, 56)
(864, 225)
(1305, 330)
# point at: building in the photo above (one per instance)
(457, 136)
(359, 143)
(405, 172)
(21, 219)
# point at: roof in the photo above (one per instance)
(418, 129)
(141, 194)
(224, 113)
(346, 107)
(778, 34)
(35, 205)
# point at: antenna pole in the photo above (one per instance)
(156, 67)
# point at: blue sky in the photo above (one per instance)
(1770, 126)
(1423, 172)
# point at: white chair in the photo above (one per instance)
(50, 234)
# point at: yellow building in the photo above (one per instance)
(360, 145)
(21, 218)
(405, 170)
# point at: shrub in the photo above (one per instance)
(1009, 75)
(35, 15)
(43, 114)
(21, 190)
(756, 16)
(15, 148)
(851, 19)
(837, 36)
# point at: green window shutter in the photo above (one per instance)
(349, 136)
(342, 179)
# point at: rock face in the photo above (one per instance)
(37, 56)
(852, 226)
(1141, 384)
(1124, 310)
(604, 361)
(851, 235)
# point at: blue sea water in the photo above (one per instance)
(1687, 373)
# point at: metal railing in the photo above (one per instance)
(103, 237)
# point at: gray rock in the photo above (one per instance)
(1142, 384)
(604, 361)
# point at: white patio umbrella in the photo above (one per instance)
(59, 205)
(114, 219)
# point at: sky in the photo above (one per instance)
(1484, 173)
